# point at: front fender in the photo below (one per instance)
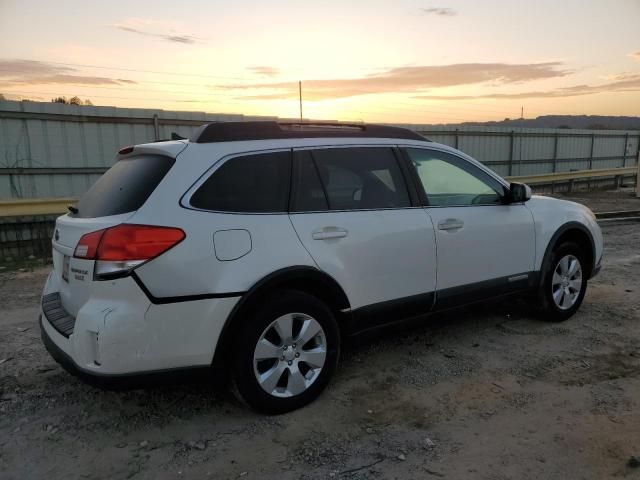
(553, 217)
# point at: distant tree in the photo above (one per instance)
(2, 97)
(71, 101)
(597, 126)
(565, 127)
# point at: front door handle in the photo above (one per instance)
(450, 224)
(327, 233)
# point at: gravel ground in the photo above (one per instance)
(489, 392)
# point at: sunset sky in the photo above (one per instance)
(412, 61)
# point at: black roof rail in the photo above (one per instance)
(271, 130)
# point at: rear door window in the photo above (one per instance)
(124, 187)
(308, 192)
(256, 183)
(361, 178)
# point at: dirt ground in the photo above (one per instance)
(489, 392)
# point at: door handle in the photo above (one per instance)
(328, 233)
(450, 224)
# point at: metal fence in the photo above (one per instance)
(54, 150)
(57, 151)
(529, 151)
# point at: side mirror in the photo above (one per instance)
(519, 192)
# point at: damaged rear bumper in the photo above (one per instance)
(119, 335)
(117, 380)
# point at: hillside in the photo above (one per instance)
(594, 122)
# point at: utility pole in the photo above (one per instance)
(520, 141)
(300, 94)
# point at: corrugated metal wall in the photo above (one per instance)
(56, 150)
(531, 151)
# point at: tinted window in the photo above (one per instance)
(361, 178)
(308, 193)
(124, 187)
(449, 180)
(252, 183)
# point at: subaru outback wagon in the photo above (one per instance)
(261, 245)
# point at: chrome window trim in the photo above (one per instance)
(185, 200)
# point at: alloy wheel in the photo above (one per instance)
(290, 355)
(566, 282)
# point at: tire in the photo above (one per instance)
(562, 289)
(293, 377)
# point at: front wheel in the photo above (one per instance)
(564, 283)
(286, 353)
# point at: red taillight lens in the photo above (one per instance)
(137, 242)
(88, 245)
(120, 249)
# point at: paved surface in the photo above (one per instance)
(491, 392)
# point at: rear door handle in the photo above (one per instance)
(327, 233)
(450, 224)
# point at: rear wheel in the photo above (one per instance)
(564, 283)
(286, 353)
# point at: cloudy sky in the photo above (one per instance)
(395, 61)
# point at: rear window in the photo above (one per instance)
(253, 183)
(124, 187)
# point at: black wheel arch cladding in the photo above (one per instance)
(303, 278)
(577, 233)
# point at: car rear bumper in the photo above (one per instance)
(118, 332)
(117, 380)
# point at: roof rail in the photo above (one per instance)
(271, 130)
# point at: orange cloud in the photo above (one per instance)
(265, 71)
(406, 79)
(627, 83)
(440, 11)
(32, 72)
(158, 29)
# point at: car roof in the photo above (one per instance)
(271, 130)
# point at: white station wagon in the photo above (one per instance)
(260, 246)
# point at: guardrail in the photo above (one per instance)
(50, 206)
(547, 178)
(618, 216)
(34, 206)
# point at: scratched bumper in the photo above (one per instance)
(118, 331)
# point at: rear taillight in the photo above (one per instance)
(88, 245)
(120, 249)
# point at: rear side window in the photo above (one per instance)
(124, 187)
(308, 192)
(253, 183)
(361, 178)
